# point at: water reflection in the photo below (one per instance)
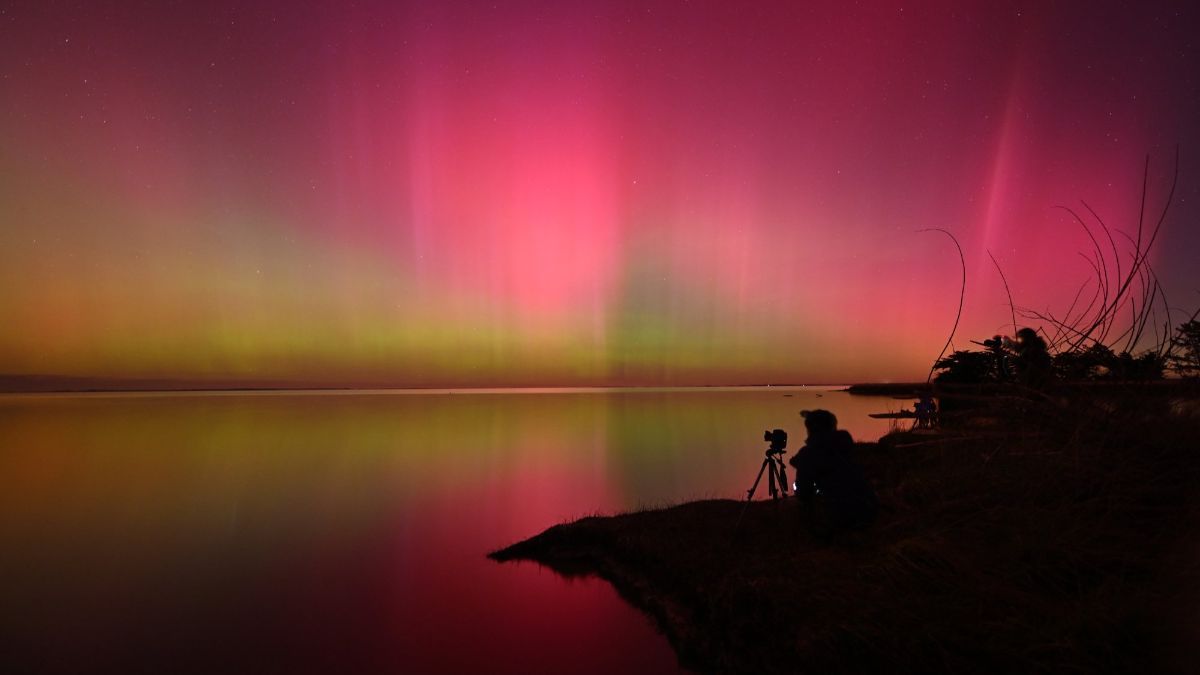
(347, 532)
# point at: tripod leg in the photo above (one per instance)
(750, 496)
(750, 492)
(783, 481)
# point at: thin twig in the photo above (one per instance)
(1007, 292)
(962, 294)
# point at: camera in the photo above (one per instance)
(778, 440)
(777, 481)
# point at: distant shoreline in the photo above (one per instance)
(889, 388)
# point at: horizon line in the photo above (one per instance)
(417, 390)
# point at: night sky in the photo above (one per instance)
(561, 193)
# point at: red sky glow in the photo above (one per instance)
(568, 193)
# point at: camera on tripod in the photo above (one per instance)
(777, 482)
(778, 440)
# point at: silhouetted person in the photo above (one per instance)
(925, 409)
(995, 347)
(1031, 359)
(828, 481)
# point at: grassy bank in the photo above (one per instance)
(1049, 534)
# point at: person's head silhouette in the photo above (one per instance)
(819, 421)
(1027, 335)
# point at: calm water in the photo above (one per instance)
(346, 532)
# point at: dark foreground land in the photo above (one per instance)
(1039, 534)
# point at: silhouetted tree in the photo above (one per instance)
(965, 367)
(1185, 355)
(1092, 363)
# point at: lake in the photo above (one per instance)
(347, 531)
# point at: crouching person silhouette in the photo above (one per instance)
(830, 484)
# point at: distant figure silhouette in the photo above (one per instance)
(996, 347)
(1031, 360)
(926, 411)
(832, 487)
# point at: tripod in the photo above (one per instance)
(777, 482)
